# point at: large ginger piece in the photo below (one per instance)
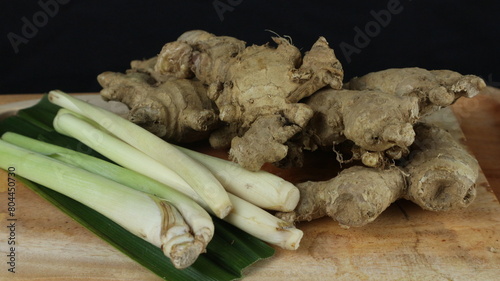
(256, 89)
(355, 197)
(442, 174)
(177, 110)
(438, 175)
(379, 109)
(433, 88)
(375, 121)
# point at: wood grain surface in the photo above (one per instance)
(404, 243)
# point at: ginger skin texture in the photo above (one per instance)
(378, 110)
(355, 197)
(177, 110)
(257, 89)
(433, 88)
(442, 174)
(438, 175)
(341, 115)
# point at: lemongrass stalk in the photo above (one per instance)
(140, 213)
(122, 153)
(195, 216)
(260, 188)
(263, 225)
(194, 173)
(244, 215)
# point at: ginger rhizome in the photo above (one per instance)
(341, 115)
(438, 175)
(257, 89)
(376, 112)
(177, 110)
(355, 197)
(442, 174)
(434, 88)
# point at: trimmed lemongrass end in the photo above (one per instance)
(177, 243)
(135, 211)
(195, 174)
(196, 217)
(260, 188)
(264, 225)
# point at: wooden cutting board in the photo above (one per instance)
(404, 243)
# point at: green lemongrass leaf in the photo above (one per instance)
(19, 125)
(230, 251)
(42, 114)
(38, 117)
(241, 242)
(36, 122)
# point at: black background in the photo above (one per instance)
(69, 46)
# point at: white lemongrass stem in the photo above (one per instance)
(260, 188)
(195, 216)
(138, 212)
(263, 225)
(122, 153)
(244, 215)
(194, 173)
